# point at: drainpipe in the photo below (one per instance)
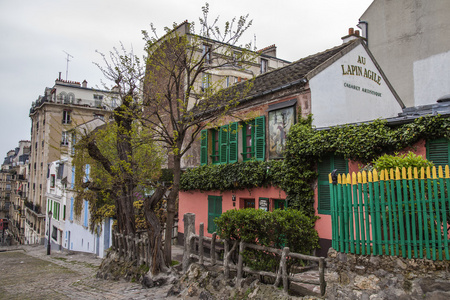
(364, 26)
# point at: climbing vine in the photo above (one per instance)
(305, 146)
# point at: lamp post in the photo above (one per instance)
(50, 214)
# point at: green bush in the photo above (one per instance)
(278, 229)
(412, 160)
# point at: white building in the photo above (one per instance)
(67, 230)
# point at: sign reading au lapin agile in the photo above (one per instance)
(360, 70)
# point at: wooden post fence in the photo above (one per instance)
(240, 246)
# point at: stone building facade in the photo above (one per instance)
(61, 108)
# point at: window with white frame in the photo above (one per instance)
(66, 117)
(64, 138)
(206, 81)
(264, 65)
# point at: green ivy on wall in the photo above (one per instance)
(305, 147)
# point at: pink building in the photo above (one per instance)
(333, 86)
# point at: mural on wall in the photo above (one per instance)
(280, 121)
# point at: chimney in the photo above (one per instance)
(269, 51)
(84, 84)
(59, 78)
(352, 35)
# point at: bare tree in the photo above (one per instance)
(180, 93)
(124, 161)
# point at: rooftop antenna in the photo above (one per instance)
(67, 59)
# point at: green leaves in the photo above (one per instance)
(290, 228)
(240, 175)
(409, 160)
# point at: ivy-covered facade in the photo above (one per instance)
(249, 159)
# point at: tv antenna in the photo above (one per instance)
(67, 59)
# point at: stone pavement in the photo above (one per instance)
(26, 272)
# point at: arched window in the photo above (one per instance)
(70, 98)
(62, 97)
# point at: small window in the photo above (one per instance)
(264, 65)
(114, 102)
(62, 97)
(206, 53)
(52, 181)
(248, 131)
(206, 81)
(60, 171)
(66, 117)
(99, 116)
(98, 100)
(247, 203)
(70, 98)
(55, 233)
(215, 146)
(71, 209)
(86, 215)
(64, 139)
(74, 141)
(237, 57)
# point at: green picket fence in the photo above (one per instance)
(392, 213)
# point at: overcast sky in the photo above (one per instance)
(35, 33)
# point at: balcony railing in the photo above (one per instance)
(34, 207)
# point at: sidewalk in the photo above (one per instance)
(29, 273)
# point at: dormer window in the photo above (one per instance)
(264, 65)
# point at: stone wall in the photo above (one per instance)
(352, 276)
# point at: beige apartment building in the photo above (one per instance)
(62, 107)
(13, 190)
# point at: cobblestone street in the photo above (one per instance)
(28, 273)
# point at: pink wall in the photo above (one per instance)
(197, 202)
(323, 225)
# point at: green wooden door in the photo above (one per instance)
(214, 211)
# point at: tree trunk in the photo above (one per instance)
(171, 208)
(157, 261)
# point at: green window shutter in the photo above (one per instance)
(260, 138)
(233, 143)
(326, 166)
(223, 145)
(204, 147)
(214, 211)
(438, 151)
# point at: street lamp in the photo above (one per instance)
(50, 214)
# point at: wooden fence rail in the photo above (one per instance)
(189, 248)
(397, 213)
(136, 247)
